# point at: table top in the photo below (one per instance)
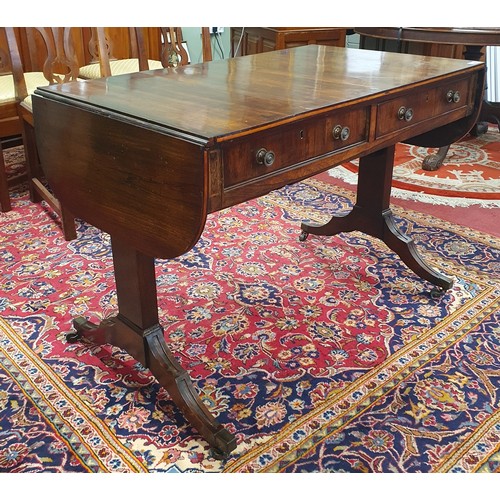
(219, 99)
(450, 36)
(146, 156)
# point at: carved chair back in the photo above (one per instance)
(60, 66)
(173, 51)
(57, 48)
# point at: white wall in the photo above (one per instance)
(193, 38)
(493, 74)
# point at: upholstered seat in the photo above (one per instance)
(131, 57)
(118, 67)
(8, 90)
(34, 80)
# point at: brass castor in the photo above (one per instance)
(73, 337)
(437, 292)
(218, 454)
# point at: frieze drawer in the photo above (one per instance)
(265, 152)
(419, 106)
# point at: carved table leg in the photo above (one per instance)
(490, 113)
(371, 215)
(434, 161)
(136, 329)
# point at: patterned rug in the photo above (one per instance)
(470, 174)
(327, 355)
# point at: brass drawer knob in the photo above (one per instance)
(405, 113)
(340, 132)
(265, 157)
(409, 114)
(453, 96)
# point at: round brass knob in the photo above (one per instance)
(453, 96)
(408, 114)
(340, 132)
(405, 113)
(265, 157)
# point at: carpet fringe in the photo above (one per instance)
(345, 175)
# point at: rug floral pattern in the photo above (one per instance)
(469, 175)
(323, 355)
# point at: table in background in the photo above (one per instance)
(460, 43)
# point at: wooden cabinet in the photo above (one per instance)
(257, 40)
(418, 48)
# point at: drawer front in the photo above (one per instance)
(419, 106)
(268, 151)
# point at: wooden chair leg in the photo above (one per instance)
(5, 205)
(32, 163)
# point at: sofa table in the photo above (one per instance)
(146, 157)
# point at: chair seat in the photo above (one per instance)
(7, 92)
(33, 80)
(118, 67)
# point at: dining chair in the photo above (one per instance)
(10, 129)
(174, 51)
(9, 121)
(60, 66)
(117, 51)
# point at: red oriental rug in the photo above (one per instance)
(320, 356)
(470, 174)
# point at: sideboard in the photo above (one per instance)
(245, 41)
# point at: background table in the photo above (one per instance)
(460, 43)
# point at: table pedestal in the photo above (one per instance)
(137, 330)
(371, 215)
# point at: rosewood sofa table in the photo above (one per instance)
(474, 41)
(146, 157)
